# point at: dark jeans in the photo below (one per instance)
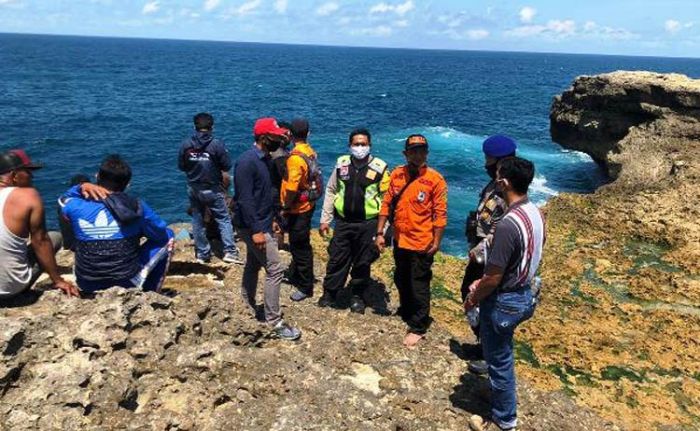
(301, 270)
(412, 278)
(353, 247)
(500, 314)
(200, 200)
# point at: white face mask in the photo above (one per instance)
(359, 151)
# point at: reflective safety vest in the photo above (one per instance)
(359, 191)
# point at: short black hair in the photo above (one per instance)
(518, 171)
(300, 128)
(79, 179)
(360, 131)
(203, 121)
(114, 174)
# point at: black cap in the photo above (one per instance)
(16, 159)
(299, 127)
(415, 141)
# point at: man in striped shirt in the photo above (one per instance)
(504, 292)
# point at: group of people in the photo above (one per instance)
(277, 183)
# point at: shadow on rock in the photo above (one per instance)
(472, 395)
(375, 296)
(28, 297)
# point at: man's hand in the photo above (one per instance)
(94, 192)
(259, 240)
(380, 242)
(276, 229)
(324, 229)
(430, 251)
(67, 287)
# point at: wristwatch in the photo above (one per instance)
(379, 234)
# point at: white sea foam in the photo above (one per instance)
(540, 191)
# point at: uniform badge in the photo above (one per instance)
(421, 197)
(371, 174)
(344, 172)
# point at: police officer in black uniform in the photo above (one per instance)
(353, 197)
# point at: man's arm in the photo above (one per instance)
(327, 212)
(439, 216)
(295, 173)
(181, 164)
(383, 216)
(154, 227)
(225, 181)
(243, 179)
(505, 242)
(42, 246)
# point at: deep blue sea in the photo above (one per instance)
(69, 101)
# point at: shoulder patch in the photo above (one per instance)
(378, 165)
(343, 161)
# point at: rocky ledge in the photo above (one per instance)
(198, 360)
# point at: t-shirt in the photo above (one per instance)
(297, 177)
(517, 245)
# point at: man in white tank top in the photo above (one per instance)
(25, 245)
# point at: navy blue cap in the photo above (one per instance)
(499, 146)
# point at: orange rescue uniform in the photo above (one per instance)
(297, 178)
(422, 207)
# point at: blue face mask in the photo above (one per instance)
(360, 151)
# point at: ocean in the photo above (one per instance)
(69, 101)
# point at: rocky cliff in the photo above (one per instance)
(198, 360)
(618, 328)
(640, 120)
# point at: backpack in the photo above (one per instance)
(314, 186)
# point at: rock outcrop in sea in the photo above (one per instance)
(612, 346)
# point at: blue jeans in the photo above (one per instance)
(501, 313)
(200, 200)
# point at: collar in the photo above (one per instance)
(258, 152)
(520, 203)
(421, 171)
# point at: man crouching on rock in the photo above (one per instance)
(505, 292)
(25, 246)
(108, 229)
(254, 218)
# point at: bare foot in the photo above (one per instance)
(411, 340)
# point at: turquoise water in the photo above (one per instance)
(70, 101)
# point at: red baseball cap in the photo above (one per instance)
(16, 159)
(268, 126)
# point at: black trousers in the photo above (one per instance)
(412, 278)
(353, 247)
(301, 270)
(473, 272)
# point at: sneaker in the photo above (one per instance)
(285, 332)
(478, 423)
(233, 258)
(203, 260)
(472, 351)
(327, 300)
(479, 368)
(357, 305)
(298, 295)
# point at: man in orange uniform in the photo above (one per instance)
(416, 204)
(298, 195)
